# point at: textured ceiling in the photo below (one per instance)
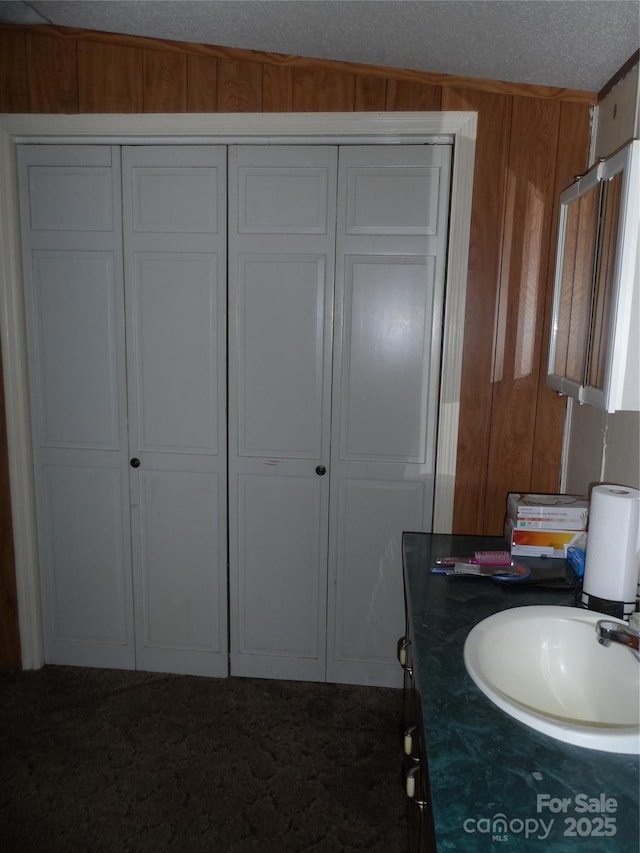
(577, 44)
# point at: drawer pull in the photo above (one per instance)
(403, 645)
(411, 785)
(408, 740)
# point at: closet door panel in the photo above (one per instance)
(174, 213)
(87, 180)
(282, 191)
(370, 513)
(72, 260)
(87, 584)
(390, 262)
(176, 300)
(388, 308)
(393, 198)
(74, 314)
(281, 298)
(282, 609)
(192, 191)
(178, 547)
(281, 240)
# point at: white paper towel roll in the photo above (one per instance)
(613, 558)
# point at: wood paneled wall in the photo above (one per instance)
(531, 142)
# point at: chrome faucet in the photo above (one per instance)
(614, 632)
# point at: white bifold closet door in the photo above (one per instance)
(72, 263)
(335, 293)
(282, 214)
(129, 422)
(175, 241)
(393, 209)
(332, 403)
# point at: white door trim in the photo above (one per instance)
(224, 128)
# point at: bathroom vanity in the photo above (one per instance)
(477, 779)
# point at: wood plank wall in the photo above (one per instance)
(531, 142)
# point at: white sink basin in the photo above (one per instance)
(545, 667)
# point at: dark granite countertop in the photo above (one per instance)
(496, 784)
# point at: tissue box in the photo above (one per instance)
(548, 512)
(540, 543)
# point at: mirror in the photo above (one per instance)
(576, 280)
(596, 287)
(604, 281)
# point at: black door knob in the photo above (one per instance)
(321, 470)
(135, 463)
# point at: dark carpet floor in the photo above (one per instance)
(103, 761)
